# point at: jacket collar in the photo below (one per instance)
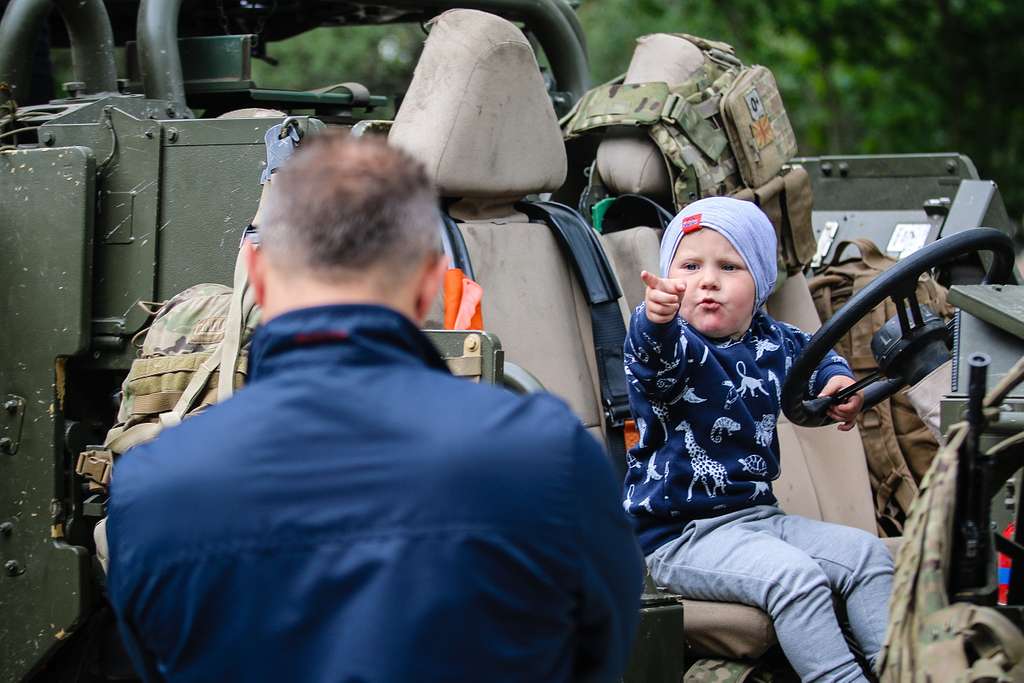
(344, 333)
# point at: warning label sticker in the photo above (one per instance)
(907, 238)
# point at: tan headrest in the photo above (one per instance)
(477, 112)
(627, 159)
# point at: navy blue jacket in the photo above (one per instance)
(357, 513)
(706, 410)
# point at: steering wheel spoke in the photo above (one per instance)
(905, 302)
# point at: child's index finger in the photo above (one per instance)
(651, 280)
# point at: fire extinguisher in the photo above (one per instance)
(1004, 566)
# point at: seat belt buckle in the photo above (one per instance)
(616, 414)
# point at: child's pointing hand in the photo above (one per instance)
(662, 297)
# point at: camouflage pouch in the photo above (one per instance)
(713, 670)
(759, 130)
(718, 671)
(193, 354)
(786, 200)
(970, 644)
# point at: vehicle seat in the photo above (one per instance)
(478, 115)
(824, 472)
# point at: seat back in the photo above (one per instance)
(478, 115)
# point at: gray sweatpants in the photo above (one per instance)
(789, 566)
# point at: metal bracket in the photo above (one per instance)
(470, 363)
(477, 356)
(825, 239)
(11, 423)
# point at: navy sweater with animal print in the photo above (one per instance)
(706, 410)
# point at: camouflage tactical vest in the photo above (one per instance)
(193, 355)
(930, 639)
(719, 131)
(899, 447)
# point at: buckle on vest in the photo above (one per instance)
(95, 465)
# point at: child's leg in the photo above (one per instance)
(858, 566)
(736, 558)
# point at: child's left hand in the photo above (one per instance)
(845, 413)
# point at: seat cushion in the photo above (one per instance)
(726, 629)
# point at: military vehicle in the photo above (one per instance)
(130, 190)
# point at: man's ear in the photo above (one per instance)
(256, 266)
(431, 278)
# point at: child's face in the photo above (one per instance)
(719, 296)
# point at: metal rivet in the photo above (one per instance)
(149, 134)
(46, 137)
(13, 568)
(11, 406)
(172, 135)
(844, 169)
(826, 168)
(6, 445)
(950, 166)
(6, 529)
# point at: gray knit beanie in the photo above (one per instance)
(742, 223)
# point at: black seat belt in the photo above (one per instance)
(455, 246)
(595, 274)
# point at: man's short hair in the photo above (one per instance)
(343, 206)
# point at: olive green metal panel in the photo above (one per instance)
(883, 182)
(659, 653)
(46, 234)
(127, 150)
(210, 176)
(973, 333)
(1000, 305)
(174, 198)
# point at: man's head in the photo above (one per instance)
(724, 250)
(347, 221)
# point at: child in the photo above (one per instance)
(705, 366)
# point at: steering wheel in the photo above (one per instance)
(900, 284)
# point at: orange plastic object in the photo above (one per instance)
(462, 298)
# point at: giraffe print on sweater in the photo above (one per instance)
(711, 473)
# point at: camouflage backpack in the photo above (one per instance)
(193, 354)
(720, 131)
(898, 446)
